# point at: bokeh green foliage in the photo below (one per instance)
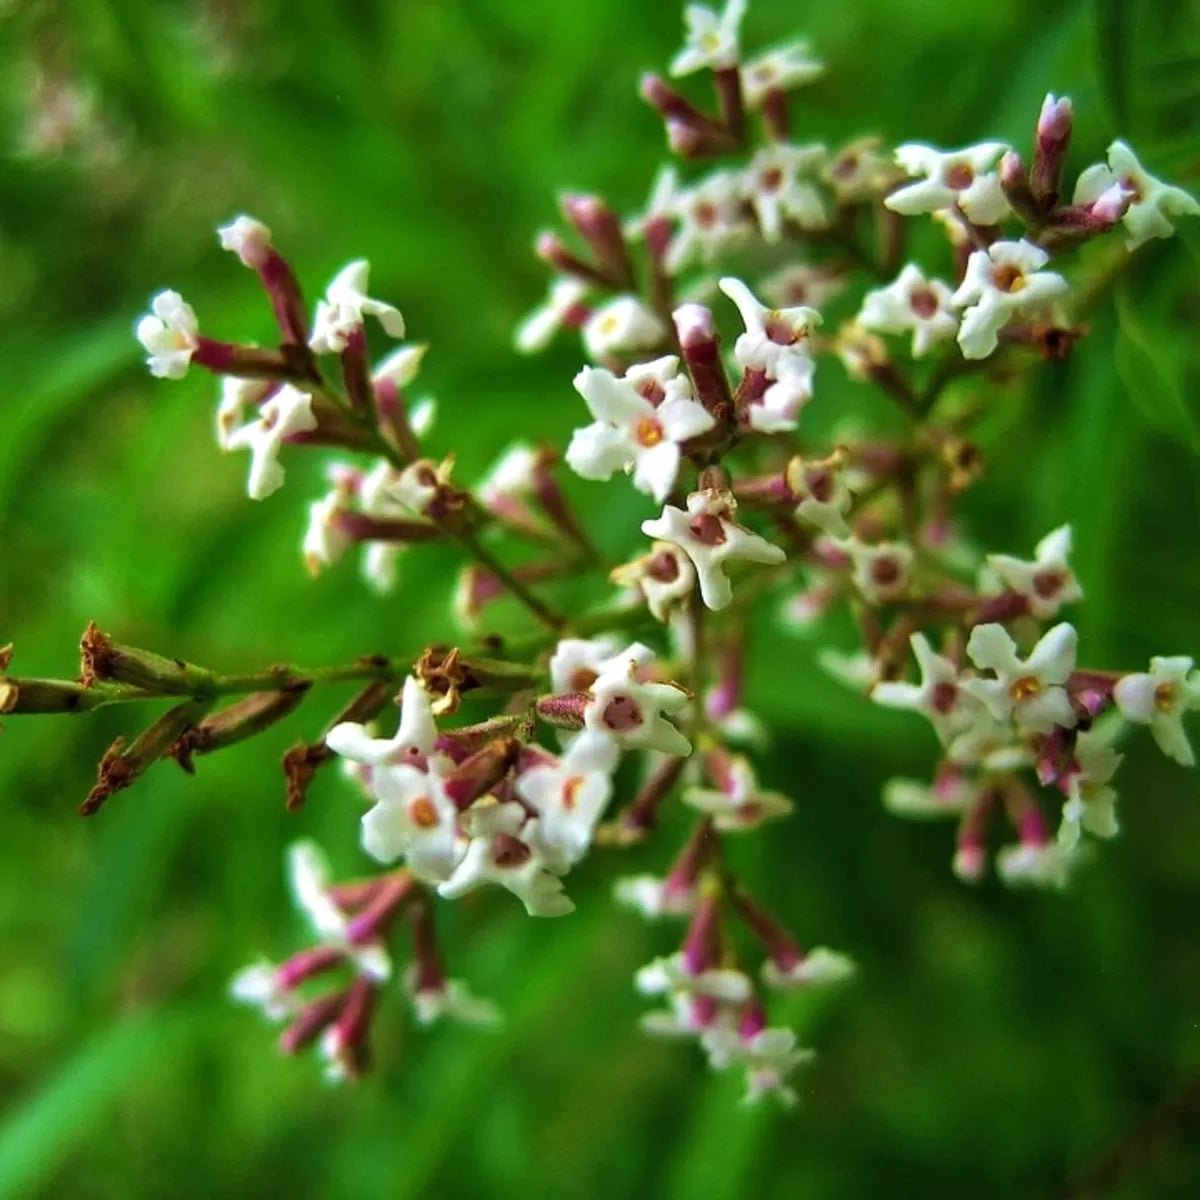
(994, 1043)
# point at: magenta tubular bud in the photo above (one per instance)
(775, 115)
(1053, 137)
(701, 943)
(246, 362)
(430, 974)
(307, 964)
(642, 814)
(481, 771)
(727, 695)
(727, 83)
(684, 874)
(352, 1026)
(779, 944)
(1002, 609)
(1014, 179)
(697, 141)
(718, 766)
(311, 1022)
(392, 411)
(355, 376)
(554, 504)
(971, 840)
(287, 300)
(701, 346)
(705, 1010)
(376, 916)
(563, 709)
(601, 228)
(362, 528)
(661, 95)
(754, 1020)
(1055, 757)
(551, 249)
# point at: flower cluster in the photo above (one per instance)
(698, 385)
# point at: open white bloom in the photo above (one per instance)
(346, 306)
(632, 713)
(564, 306)
(168, 334)
(914, 303)
(881, 572)
(824, 495)
(511, 476)
(505, 848)
(708, 535)
(952, 179)
(624, 326)
(711, 220)
(1000, 282)
(938, 696)
(775, 338)
(665, 577)
(450, 998)
(778, 70)
(401, 367)
(802, 284)
(325, 537)
(259, 985)
(577, 662)
(1026, 864)
(1159, 698)
(711, 40)
(412, 744)
(249, 239)
(740, 804)
(860, 171)
(308, 873)
(769, 1056)
(654, 897)
(820, 967)
(664, 976)
(1026, 691)
(237, 395)
(1153, 204)
(641, 420)
(993, 745)
(779, 184)
(286, 413)
(570, 795)
(947, 796)
(1048, 582)
(1091, 798)
(778, 409)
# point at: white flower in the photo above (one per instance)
(401, 367)
(631, 712)
(775, 338)
(739, 803)
(654, 897)
(1030, 864)
(948, 796)
(577, 662)
(801, 284)
(664, 976)
(249, 239)
(1048, 582)
(711, 220)
(564, 306)
(450, 998)
(1091, 799)
(711, 40)
(708, 535)
(325, 537)
(1001, 281)
(778, 70)
(858, 171)
(1027, 691)
(1153, 203)
(309, 876)
(938, 696)
(623, 326)
(820, 967)
(914, 303)
(774, 184)
(769, 1057)
(824, 496)
(953, 178)
(259, 985)
(641, 419)
(1159, 699)
(379, 560)
(412, 744)
(511, 476)
(237, 395)
(881, 572)
(168, 335)
(570, 795)
(286, 413)
(665, 576)
(345, 307)
(778, 409)
(414, 818)
(505, 848)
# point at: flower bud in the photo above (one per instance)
(1052, 140)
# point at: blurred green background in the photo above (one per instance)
(995, 1044)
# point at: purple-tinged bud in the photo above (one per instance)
(311, 1022)
(641, 815)
(970, 856)
(1112, 204)
(1050, 155)
(671, 104)
(377, 915)
(785, 952)
(1056, 756)
(246, 718)
(697, 333)
(345, 1040)
(481, 771)
(308, 964)
(1014, 179)
(601, 228)
(701, 944)
(753, 1022)
(355, 375)
(552, 250)
(564, 710)
(728, 86)
(680, 883)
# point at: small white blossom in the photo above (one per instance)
(947, 796)
(664, 976)
(1159, 698)
(325, 538)
(168, 334)
(309, 876)
(577, 662)
(511, 476)
(769, 1056)
(913, 303)
(259, 985)
(286, 413)
(665, 577)
(564, 306)
(1091, 798)
(820, 967)
(776, 185)
(711, 220)
(858, 171)
(938, 696)
(654, 897)
(740, 803)
(634, 714)
(249, 239)
(1048, 582)
(881, 572)
(1029, 864)
(641, 420)
(237, 395)
(401, 367)
(505, 848)
(1153, 203)
(952, 179)
(623, 326)
(570, 795)
(801, 284)
(346, 306)
(778, 70)
(450, 998)
(1026, 691)
(711, 41)
(775, 338)
(1000, 282)
(708, 535)
(413, 742)
(824, 495)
